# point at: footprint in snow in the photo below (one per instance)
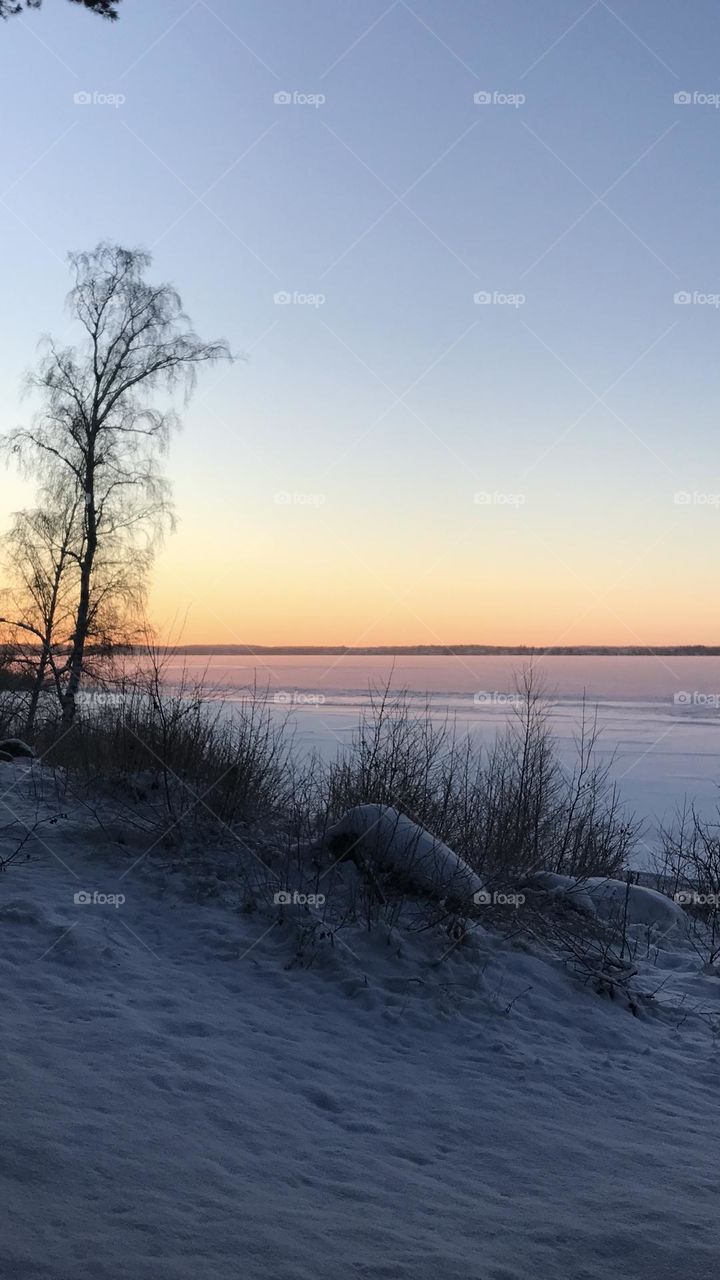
(324, 1101)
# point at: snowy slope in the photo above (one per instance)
(178, 1102)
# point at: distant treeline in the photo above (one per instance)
(449, 651)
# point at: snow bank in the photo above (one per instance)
(391, 841)
(606, 898)
(182, 1101)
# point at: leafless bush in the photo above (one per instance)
(506, 811)
(688, 869)
(178, 751)
(12, 675)
(13, 710)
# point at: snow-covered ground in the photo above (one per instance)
(183, 1098)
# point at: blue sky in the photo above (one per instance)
(386, 407)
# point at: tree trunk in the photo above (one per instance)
(45, 653)
(35, 694)
(77, 654)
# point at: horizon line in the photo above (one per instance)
(444, 650)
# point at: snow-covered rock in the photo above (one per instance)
(606, 898)
(391, 841)
(16, 747)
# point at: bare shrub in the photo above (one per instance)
(14, 694)
(688, 869)
(178, 751)
(507, 811)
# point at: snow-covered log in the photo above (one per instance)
(390, 841)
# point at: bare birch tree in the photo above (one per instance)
(101, 434)
(105, 8)
(38, 607)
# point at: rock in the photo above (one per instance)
(14, 747)
(615, 901)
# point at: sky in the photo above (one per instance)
(466, 251)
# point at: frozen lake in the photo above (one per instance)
(660, 717)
